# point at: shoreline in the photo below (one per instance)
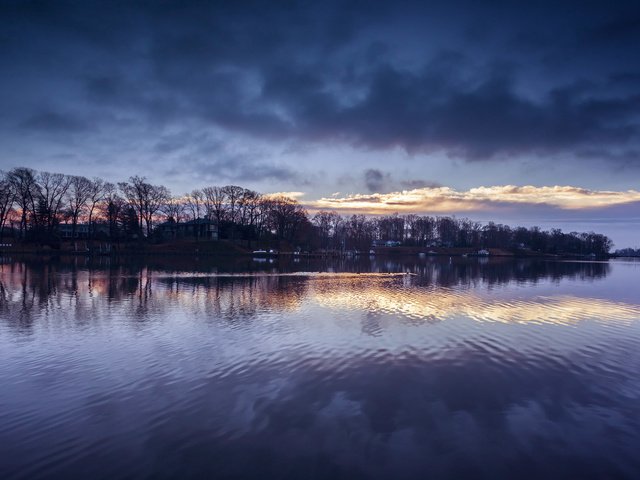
(228, 249)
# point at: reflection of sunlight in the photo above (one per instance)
(341, 275)
(442, 304)
(561, 310)
(236, 296)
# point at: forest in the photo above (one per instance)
(44, 208)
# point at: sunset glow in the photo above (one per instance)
(445, 199)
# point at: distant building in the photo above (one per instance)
(65, 230)
(199, 228)
(385, 243)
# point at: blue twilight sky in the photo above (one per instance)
(338, 99)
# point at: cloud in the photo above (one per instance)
(447, 200)
(375, 180)
(294, 195)
(436, 78)
(432, 111)
(414, 184)
(53, 122)
(236, 168)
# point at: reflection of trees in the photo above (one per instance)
(236, 297)
(458, 271)
(87, 290)
(30, 289)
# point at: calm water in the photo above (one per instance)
(364, 369)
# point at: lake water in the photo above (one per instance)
(371, 368)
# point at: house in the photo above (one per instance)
(201, 228)
(385, 243)
(66, 230)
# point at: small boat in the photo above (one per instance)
(265, 252)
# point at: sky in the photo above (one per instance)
(520, 112)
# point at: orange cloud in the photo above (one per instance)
(445, 199)
(294, 195)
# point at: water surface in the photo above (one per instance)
(369, 368)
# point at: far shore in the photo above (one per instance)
(229, 248)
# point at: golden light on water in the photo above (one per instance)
(394, 295)
(442, 304)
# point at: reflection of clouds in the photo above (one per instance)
(152, 294)
(440, 304)
(435, 415)
(229, 368)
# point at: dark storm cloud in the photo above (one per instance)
(237, 168)
(624, 158)
(622, 27)
(444, 77)
(413, 184)
(375, 180)
(53, 122)
(234, 168)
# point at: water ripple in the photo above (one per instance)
(154, 374)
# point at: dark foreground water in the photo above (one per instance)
(391, 369)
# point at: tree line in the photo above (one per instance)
(627, 252)
(33, 206)
(359, 231)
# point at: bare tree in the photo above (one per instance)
(53, 188)
(285, 216)
(215, 198)
(233, 195)
(7, 199)
(254, 209)
(174, 209)
(327, 224)
(145, 198)
(111, 209)
(158, 196)
(77, 199)
(194, 203)
(247, 204)
(261, 215)
(26, 189)
(97, 190)
(359, 232)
